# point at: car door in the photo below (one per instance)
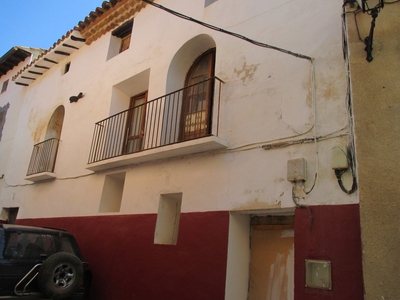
(19, 253)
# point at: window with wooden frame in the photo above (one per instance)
(124, 33)
(198, 97)
(135, 123)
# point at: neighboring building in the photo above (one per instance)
(12, 99)
(376, 97)
(195, 161)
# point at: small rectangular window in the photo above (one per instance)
(111, 196)
(169, 214)
(124, 34)
(5, 85)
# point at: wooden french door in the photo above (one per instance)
(135, 123)
(197, 101)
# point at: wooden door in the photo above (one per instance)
(197, 101)
(272, 263)
(135, 123)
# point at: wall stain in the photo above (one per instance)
(307, 86)
(39, 126)
(246, 73)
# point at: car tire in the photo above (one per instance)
(60, 275)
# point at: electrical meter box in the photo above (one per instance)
(296, 170)
(339, 158)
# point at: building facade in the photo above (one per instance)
(201, 150)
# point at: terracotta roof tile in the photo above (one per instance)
(67, 44)
(107, 17)
(15, 55)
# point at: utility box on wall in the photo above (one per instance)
(339, 158)
(318, 274)
(296, 170)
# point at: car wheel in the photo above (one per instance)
(60, 275)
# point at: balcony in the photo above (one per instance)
(180, 123)
(42, 161)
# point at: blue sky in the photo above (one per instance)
(40, 23)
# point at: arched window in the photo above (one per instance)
(44, 154)
(55, 124)
(198, 96)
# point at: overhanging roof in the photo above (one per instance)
(97, 23)
(108, 17)
(64, 47)
(15, 56)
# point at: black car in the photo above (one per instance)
(42, 263)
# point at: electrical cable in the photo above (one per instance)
(75, 177)
(296, 201)
(314, 101)
(7, 185)
(339, 174)
(351, 148)
(212, 27)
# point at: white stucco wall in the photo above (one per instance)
(13, 98)
(267, 97)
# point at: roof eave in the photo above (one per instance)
(64, 47)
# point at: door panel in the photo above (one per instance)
(198, 98)
(272, 264)
(135, 124)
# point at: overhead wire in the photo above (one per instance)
(7, 185)
(234, 34)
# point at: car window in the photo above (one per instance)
(27, 245)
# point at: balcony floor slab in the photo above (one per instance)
(210, 143)
(41, 176)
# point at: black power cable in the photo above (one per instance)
(212, 27)
(340, 172)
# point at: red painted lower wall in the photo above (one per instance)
(126, 263)
(329, 232)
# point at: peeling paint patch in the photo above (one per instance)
(246, 73)
(307, 86)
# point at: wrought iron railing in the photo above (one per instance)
(43, 157)
(189, 113)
